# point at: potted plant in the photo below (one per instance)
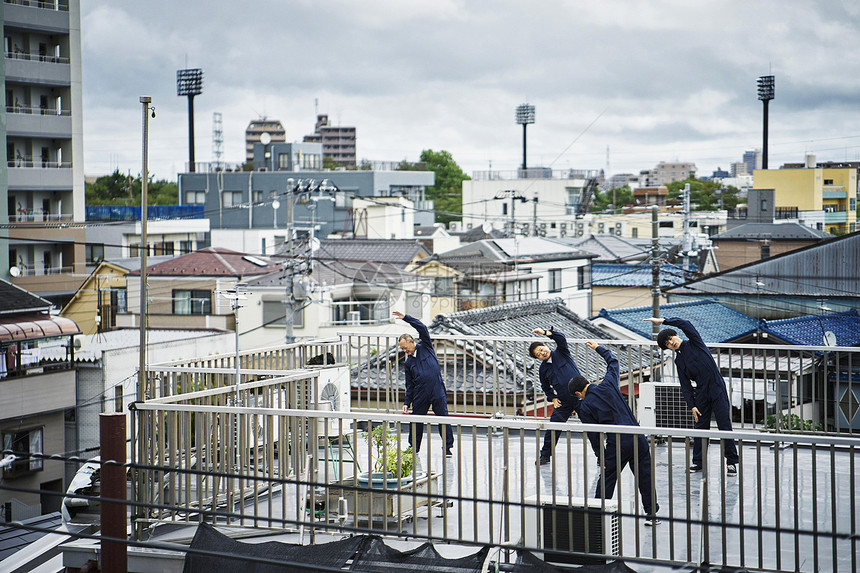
(392, 467)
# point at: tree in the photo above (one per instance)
(447, 191)
(119, 189)
(603, 199)
(705, 195)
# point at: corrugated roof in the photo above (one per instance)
(35, 326)
(810, 330)
(715, 321)
(829, 269)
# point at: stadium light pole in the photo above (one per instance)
(765, 94)
(525, 116)
(189, 83)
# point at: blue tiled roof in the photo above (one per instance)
(809, 330)
(715, 321)
(621, 275)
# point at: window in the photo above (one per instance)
(763, 205)
(258, 196)
(504, 208)
(583, 277)
(23, 443)
(360, 311)
(121, 298)
(133, 250)
(828, 181)
(414, 304)
(284, 161)
(195, 197)
(554, 280)
(667, 225)
(94, 253)
(186, 247)
(274, 312)
(117, 398)
(231, 198)
(443, 286)
(163, 248)
(192, 302)
(765, 251)
(634, 232)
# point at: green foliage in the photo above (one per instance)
(447, 192)
(119, 189)
(383, 440)
(602, 199)
(705, 195)
(792, 422)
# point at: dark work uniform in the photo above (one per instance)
(555, 372)
(605, 404)
(695, 363)
(424, 387)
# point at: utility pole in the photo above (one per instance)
(687, 243)
(655, 272)
(291, 191)
(144, 248)
(534, 216)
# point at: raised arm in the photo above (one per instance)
(687, 328)
(423, 333)
(612, 369)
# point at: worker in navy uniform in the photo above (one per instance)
(424, 387)
(603, 403)
(695, 363)
(556, 370)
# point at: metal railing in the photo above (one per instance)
(45, 5)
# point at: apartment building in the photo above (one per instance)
(254, 134)
(43, 177)
(338, 142)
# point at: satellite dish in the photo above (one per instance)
(315, 244)
(265, 138)
(330, 395)
(829, 338)
(15, 272)
(276, 204)
(487, 227)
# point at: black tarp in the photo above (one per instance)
(212, 551)
(377, 557)
(526, 562)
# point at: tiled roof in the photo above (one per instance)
(481, 366)
(15, 300)
(612, 248)
(621, 275)
(335, 272)
(212, 262)
(810, 330)
(715, 321)
(774, 231)
(395, 251)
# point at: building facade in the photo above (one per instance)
(255, 130)
(338, 143)
(42, 180)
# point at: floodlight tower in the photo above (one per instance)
(189, 82)
(525, 116)
(765, 94)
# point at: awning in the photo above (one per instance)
(30, 327)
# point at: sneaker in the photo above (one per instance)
(694, 469)
(448, 453)
(544, 460)
(651, 520)
(731, 470)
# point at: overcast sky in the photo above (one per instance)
(648, 81)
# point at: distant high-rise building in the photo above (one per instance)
(666, 173)
(752, 159)
(338, 142)
(739, 168)
(42, 183)
(257, 128)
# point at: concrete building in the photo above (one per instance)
(806, 193)
(667, 172)
(42, 182)
(522, 206)
(255, 130)
(338, 143)
(752, 160)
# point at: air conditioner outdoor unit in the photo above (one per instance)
(353, 317)
(662, 405)
(618, 228)
(333, 395)
(557, 527)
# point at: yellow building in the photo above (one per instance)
(97, 301)
(825, 196)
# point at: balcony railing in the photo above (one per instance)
(37, 58)
(27, 161)
(264, 450)
(45, 5)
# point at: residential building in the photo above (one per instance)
(444, 295)
(810, 192)
(288, 157)
(667, 172)
(37, 401)
(383, 218)
(648, 196)
(753, 242)
(338, 142)
(533, 206)
(42, 182)
(191, 291)
(255, 130)
(510, 270)
(436, 238)
(616, 285)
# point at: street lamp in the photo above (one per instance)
(525, 116)
(765, 94)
